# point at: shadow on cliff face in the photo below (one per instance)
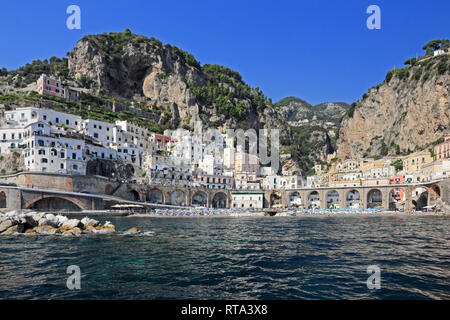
(110, 169)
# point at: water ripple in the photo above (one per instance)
(230, 258)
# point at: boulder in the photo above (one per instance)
(62, 219)
(72, 232)
(37, 216)
(89, 229)
(52, 220)
(89, 222)
(29, 221)
(46, 229)
(108, 227)
(18, 228)
(6, 225)
(30, 232)
(133, 230)
(72, 223)
(12, 213)
(44, 222)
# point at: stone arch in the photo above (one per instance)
(199, 198)
(352, 199)
(295, 199)
(436, 190)
(58, 202)
(3, 202)
(420, 195)
(133, 195)
(219, 200)
(332, 199)
(275, 198)
(313, 200)
(397, 199)
(178, 198)
(374, 198)
(155, 196)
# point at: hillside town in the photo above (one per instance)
(55, 142)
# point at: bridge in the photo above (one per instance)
(48, 191)
(388, 197)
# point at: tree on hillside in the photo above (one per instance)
(433, 45)
(410, 61)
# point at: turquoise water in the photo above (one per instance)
(236, 258)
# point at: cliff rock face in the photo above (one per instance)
(140, 69)
(126, 68)
(295, 109)
(408, 111)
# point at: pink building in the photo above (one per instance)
(397, 193)
(50, 86)
(214, 181)
(442, 150)
(161, 141)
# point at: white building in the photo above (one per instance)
(27, 115)
(247, 199)
(49, 154)
(272, 182)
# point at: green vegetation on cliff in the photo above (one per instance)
(226, 89)
(30, 72)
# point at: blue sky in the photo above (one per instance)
(317, 50)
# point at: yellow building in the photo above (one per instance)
(415, 161)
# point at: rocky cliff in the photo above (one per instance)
(144, 70)
(409, 111)
(295, 109)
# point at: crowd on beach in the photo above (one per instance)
(278, 212)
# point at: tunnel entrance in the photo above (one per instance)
(352, 199)
(374, 199)
(199, 199)
(219, 200)
(155, 196)
(332, 199)
(54, 204)
(314, 200)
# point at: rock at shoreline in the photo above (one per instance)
(46, 230)
(35, 223)
(133, 230)
(72, 223)
(87, 222)
(18, 228)
(5, 225)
